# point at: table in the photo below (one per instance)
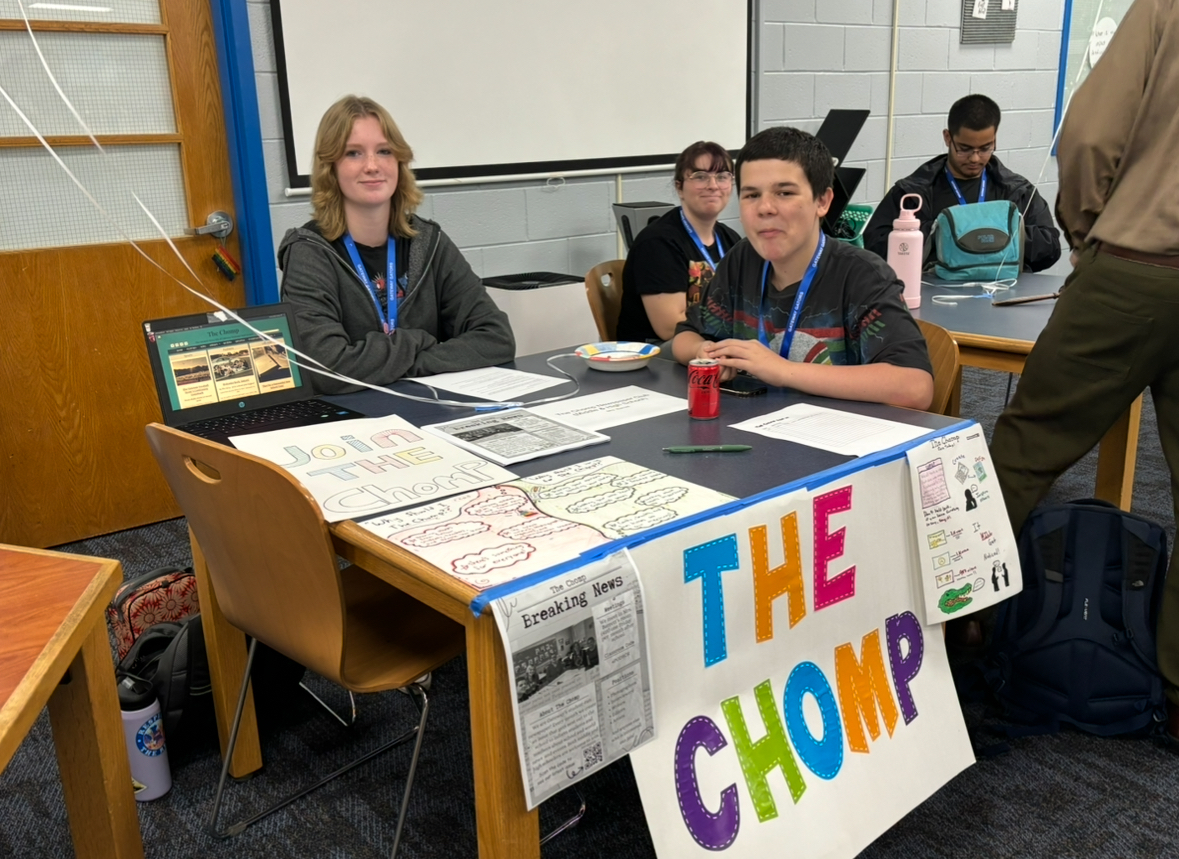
(55, 650)
(505, 829)
(1000, 338)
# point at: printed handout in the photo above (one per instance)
(969, 558)
(491, 383)
(515, 435)
(500, 533)
(831, 429)
(612, 408)
(369, 465)
(577, 653)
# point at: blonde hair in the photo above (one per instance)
(331, 140)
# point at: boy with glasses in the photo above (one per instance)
(969, 172)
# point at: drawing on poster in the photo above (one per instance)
(933, 484)
(968, 557)
(500, 533)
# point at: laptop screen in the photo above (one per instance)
(207, 365)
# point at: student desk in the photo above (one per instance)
(55, 650)
(1000, 338)
(505, 829)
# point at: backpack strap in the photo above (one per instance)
(1048, 554)
(1140, 560)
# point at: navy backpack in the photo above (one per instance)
(1077, 646)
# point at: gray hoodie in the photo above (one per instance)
(446, 321)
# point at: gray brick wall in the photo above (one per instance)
(814, 55)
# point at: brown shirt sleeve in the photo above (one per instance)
(1107, 112)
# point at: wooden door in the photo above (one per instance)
(75, 384)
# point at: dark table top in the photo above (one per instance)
(978, 317)
(770, 464)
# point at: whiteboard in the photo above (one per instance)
(520, 86)
(1088, 24)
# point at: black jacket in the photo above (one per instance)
(1043, 238)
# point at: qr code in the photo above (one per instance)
(593, 755)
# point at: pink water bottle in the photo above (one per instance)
(906, 250)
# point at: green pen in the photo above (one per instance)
(708, 448)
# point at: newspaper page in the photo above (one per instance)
(577, 652)
(514, 435)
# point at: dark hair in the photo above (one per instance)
(791, 144)
(686, 163)
(976, 112)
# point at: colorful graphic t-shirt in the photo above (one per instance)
(853, 314)
(665, 259)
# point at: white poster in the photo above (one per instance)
(803, 706)
(577, 651)
(968, 554)
(364, 466)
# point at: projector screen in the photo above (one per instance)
(520, 86)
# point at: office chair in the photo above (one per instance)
(274, 571)
(943, 355)
(603, 290)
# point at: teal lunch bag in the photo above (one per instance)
(979, 241)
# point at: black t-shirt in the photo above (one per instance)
(944, 196)
(664, 259)
(376, 264)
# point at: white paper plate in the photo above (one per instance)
(617, 356)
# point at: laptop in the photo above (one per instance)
(216, 378)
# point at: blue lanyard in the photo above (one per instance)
(982, 187)
(699, 244)
(388, 323)
(796, 311)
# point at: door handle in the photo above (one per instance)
(218, 224)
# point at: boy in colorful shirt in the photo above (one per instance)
(795, 308)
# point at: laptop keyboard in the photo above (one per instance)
(242, 422)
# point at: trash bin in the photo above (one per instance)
(547, 310)
(633, 217)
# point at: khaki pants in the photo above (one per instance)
(1114, 333)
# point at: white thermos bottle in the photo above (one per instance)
(144, 733)
(906, 250)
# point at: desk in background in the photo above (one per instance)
(1000, 338)
(55, 650)
(505, 828)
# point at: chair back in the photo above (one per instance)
(270, 556)
(943, 355)
(603, 290)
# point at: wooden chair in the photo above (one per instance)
(943, 354)
(603, 290)
(273, 569)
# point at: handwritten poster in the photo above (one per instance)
(500, 533)
(802, 705)
(361, 467)
(968, 555)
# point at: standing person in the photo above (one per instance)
(799, 310)
(674, 258)
(1113, 330)
(969, 172)
(379, 293)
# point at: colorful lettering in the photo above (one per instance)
(706, 562)
(711, 830)
(863, 686)
(905, 627)
(769, 753)
(769, 584)
(823, 757)
(828, 547)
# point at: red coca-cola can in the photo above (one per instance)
(704, 389)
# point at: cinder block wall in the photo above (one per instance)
(813, 55)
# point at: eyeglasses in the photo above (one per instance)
(980, 151)
(703, 178)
